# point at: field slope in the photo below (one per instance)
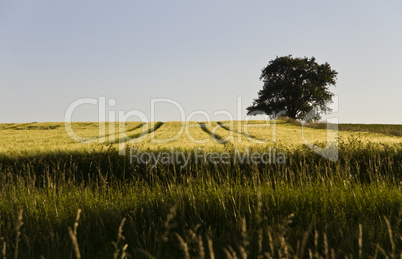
(72, 195)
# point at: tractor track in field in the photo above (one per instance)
(126, 131)
(156, 126)
(241, 133)
(216, 137)
(119, 132)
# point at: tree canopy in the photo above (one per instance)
(294, 87)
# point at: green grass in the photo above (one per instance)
(395, 130)
(308, 206)
(386, 129)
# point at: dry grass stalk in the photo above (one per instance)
(73, 236)
(18, 233)
(183, 246)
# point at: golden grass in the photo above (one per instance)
(48, 137)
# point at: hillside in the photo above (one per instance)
(47, 137)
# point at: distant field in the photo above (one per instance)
(306, 207)
(387, 129)
(395, 130)
(47, 137)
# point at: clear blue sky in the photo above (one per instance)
(203, 54)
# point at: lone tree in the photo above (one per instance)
(294, 87)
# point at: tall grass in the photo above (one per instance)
(307, 208)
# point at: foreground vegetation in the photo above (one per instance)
(308, 207)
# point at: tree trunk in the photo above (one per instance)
(291, 114)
